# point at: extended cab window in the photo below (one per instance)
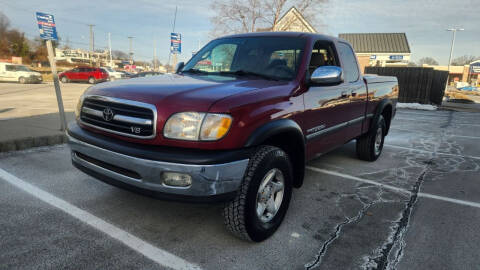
(275, 58)
(349, 61)
(10, 68)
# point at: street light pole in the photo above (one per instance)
(454, 30)
(130, 50)
(92, 42)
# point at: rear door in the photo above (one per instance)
(83, 74)
(10, 73)
(326, 115)
(356, 89)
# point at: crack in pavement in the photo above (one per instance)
(335, 235)
(338, 228)
(383, 261)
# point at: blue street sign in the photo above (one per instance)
(475, 68)
(396, 57)
(175, 43)
(46, 26)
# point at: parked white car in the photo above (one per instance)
(18, 73)
(113, 74)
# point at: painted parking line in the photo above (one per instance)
(398, 189)
(428, 131)
(434, 120)
(155, 254)
(429, 152)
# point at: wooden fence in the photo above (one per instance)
(417, 84)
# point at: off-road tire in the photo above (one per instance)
(240, 214)
(91, 80)
(366, 143)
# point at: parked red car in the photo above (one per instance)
(84, 74)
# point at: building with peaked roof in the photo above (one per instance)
(292, 21)
(380, 49)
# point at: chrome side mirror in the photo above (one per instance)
(179, 67)
(327, 75)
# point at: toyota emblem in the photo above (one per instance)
(108, 114)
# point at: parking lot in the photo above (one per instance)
(26, 100)
(417, 207)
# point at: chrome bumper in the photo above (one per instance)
(207, 180)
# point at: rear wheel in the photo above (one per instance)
(91, 80)
(263, 198)
(22, 80)
(370, 145)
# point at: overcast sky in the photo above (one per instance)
(424, 21)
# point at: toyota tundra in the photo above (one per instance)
(237, 123)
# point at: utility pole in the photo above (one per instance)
(110, 49)
(130, 51)
(173, 31)
(92, 42)
(454, 30)
(154, 54)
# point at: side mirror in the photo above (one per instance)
(179, 67)
(327, 75)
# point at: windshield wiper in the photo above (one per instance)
(195, 71)
(248, 73)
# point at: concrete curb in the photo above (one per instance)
(31, 142)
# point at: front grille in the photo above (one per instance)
(119, 116)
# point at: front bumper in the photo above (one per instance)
(210, 182)
(35, 79)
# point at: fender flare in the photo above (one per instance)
(378, 111)
(276, 127)
(273, 128)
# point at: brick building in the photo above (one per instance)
(380, 49)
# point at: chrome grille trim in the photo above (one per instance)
(121, 118)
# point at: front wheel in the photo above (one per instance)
(370, 145)
(91, 80)
(64, 79)
(263, 198)
(22, 80)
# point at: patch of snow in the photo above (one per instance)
(417, 106)
(296, 235)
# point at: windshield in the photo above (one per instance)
(109, 69)
(267, 57)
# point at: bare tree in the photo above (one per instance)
(4, 24)
(240, 16)
(428, 61)
(464, 60)
(116, 54)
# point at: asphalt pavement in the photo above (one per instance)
(417, 207)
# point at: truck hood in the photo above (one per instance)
(179, 92)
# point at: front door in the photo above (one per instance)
(326, 113)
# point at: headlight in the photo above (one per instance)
(195, 126)
(79, 106)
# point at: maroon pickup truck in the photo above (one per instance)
(236, 123)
